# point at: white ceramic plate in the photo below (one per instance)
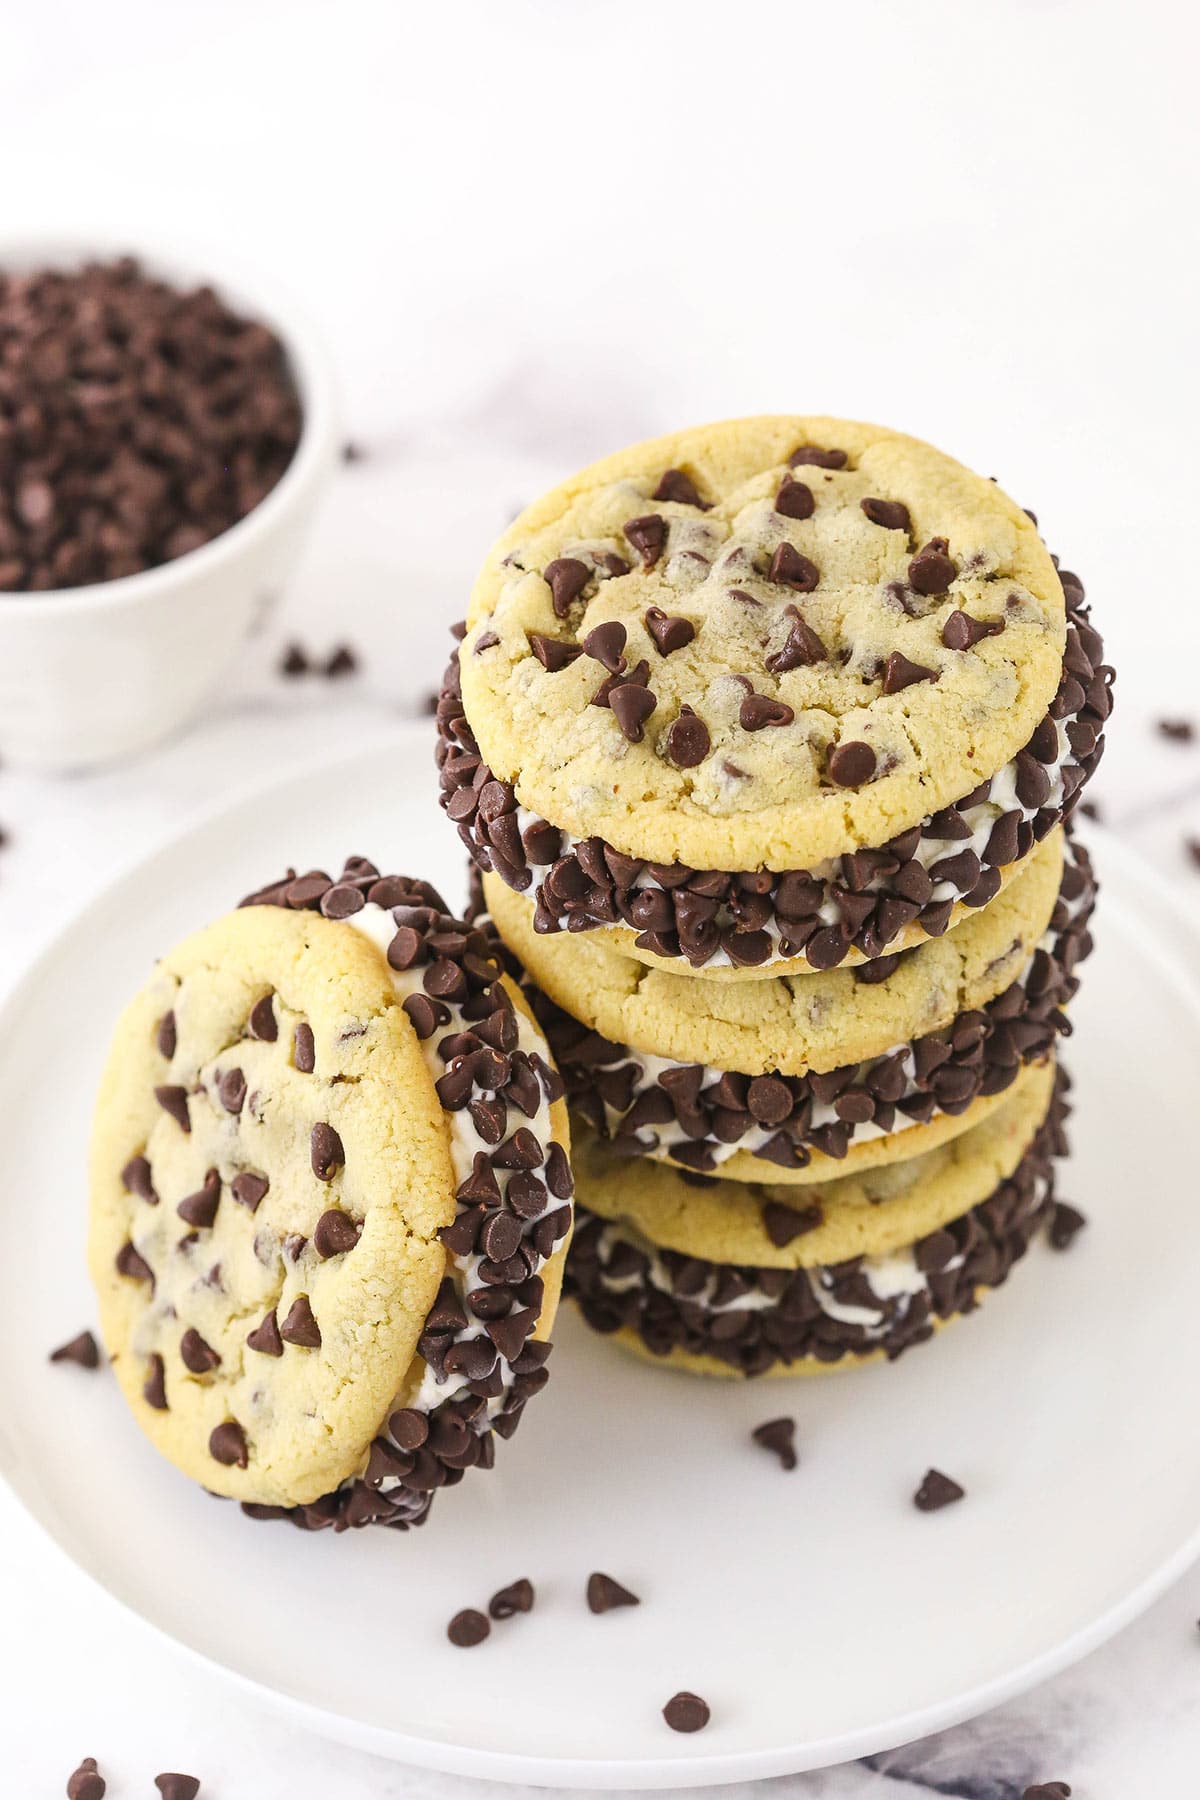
(818, 1612)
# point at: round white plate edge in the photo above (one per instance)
(675, 1770)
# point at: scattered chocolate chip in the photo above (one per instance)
(261, 1024)
(1066, 1222)
(778, 1436)
(231, 1090)
(467, 1628)
(669, 631)
(604, 643)
(937, 1490)
(294, 662)
(131, 1264)
(687, 741)
(631, 707)
(336, 1233)
(566, 578)
(300, 1327)
(783, 1224)
(86, 1783)
(680, 488)
(821, 459)
(789, 569)
(305, 1056)
(154, 1388)
(341, 661)
(795, 499)
(177, 1787)
(249, 1189)
(174, 1100)
(326, 1152)
(850, 765)
(1047, 1790)
(352, 452)
(801, 648)
(932, 569)
(891, 514)
(648, 535)
(144, 421)
(200, 1209)
(265, 1337)
(553, 653)
(686, 1712)
(757, 712)
(962, 632)
(603, 1594)
(197, 1356)
(167, 1036)
(900, 673)
(1192, 845)
(1177, 731)
(227, 1445)
(518, 1595)
(83, 1350)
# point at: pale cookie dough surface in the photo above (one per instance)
(309, 1411)
(791, 1023)
(872, 1214)
(763, 797)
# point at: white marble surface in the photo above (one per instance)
(531, 233)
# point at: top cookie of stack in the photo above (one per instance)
(777, 693)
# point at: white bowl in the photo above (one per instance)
(91, 674)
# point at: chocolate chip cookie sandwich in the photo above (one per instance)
(720, 1278)
(330, 1201)
(802, 1078)
(774, 694)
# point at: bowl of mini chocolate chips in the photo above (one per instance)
(163, 441)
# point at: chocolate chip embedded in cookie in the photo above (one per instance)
(879, 660)
(330, 1201)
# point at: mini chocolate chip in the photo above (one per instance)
(250, 1189)
(136, 1179)
(801, 648)
(86, 1783)
(821, 459)
(553, 653)
(82, 1350)
(789, 569)
(962, 632)
(937, 1490)
(669, 631)
(326, 1152)
(293, 662)
(336, 1233)
(782, 1223)
(516, 1597)
(680, 488)
(300, 1327)
(467, 1628)
(342, 901)
(687, 741)
(200, 1209)
(795, 499)
(1066, 1222)
(1047, 1790)
(603, 1594)
(196, 1354)
(686, 1712)
(566, 578)
(174, 1100)
(305, 1056)
(177, 1787)
(261, 1024)
(227, 1445)
(487, 640)
(154, 1388)
(265, 1337)
(931, 570)
(1177, 731)
(409, 1428)
(231, 1090)
(900, 673)
(167, 1035)
(341, 661)
(604, 644)
(757, 711)
(850, 765)
(891, 514)
(778, 1436)
(631, 707)
(648, 535)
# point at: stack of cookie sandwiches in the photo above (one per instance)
(331, 1201)
(765, 738)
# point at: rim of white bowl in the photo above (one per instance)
(308, 362)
